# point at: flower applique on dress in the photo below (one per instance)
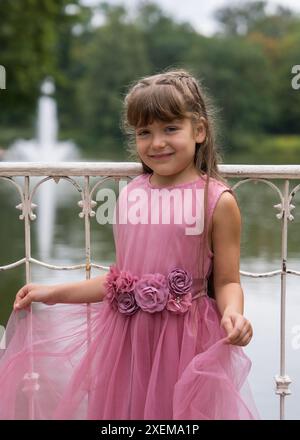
(180, 296)
(151, 293)
(120, 287)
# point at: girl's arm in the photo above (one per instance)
(87, 291)
(226, 232)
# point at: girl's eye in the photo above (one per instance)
(142, 133)
(171, 128)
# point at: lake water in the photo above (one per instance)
(260, 252)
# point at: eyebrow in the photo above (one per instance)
(173, 121)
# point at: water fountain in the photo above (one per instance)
(45, 148)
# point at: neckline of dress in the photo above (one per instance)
(176, 185)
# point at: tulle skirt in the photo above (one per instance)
(92, 362)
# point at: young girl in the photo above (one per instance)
(166, 323)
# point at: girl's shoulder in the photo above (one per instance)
(218, 185)
(133, 183)
(223, 196)
(137, 181)
(216, 189)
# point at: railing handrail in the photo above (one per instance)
(135, 168)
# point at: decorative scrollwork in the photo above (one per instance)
(26, 210)
(33, 191)
(282, 385)
(87, 206)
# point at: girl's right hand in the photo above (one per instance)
(34, 292)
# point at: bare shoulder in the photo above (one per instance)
(226, 226)
(227, 209)
(226, 235)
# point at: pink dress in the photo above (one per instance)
(154, 348)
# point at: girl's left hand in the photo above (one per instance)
(238, 328)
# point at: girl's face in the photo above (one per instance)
(169, 147)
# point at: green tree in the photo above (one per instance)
(113, 58)
(240, 18)
(236, 73)
(287, 98)
(252, 16)
(30, 41)
(166, 40)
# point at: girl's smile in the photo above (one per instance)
(162, 156)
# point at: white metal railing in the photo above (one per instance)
(118, 170)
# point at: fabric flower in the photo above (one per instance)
(126, 303)
(151, 292)
(179, 282)
(126, 282)
(110, 283)
(179, 304)
(117, 283)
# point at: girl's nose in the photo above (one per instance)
(158, 141)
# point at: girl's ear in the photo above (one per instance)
(200, 130)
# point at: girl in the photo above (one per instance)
(163, 344)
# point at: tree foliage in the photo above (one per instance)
(246, 65)
(31, 35)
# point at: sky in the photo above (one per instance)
(198, 13)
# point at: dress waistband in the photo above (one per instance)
(199, 294)
(199, 288)
(153, 292)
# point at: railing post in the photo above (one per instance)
(30, 378)
(26, 211)
(283, 381)
(87, 232)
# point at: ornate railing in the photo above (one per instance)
(117, 170)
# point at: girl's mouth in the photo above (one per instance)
(161, 156)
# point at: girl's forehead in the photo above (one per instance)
(158, 122)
